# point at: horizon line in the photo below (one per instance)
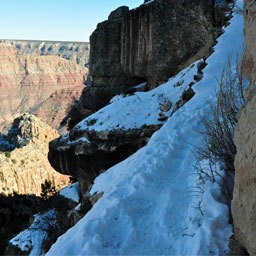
(50, 41)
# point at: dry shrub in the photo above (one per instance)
(218, 145)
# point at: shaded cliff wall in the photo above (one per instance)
(244, 200)
(148, 44)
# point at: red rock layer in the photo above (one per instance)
(27, 82)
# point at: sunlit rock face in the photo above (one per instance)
(43, 85)
(24, 169)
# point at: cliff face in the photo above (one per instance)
(244, 201)
(37, 84)
(78, 52)
(148, 44)
(24, 169)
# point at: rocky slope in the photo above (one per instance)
(148, 44)
(37, 84)
(244, 201)
(24, 169)
(78, 52)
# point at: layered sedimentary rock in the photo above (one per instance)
(37, 84)
(244, 201)
(150, 43)
(78, 52)
(24, 169)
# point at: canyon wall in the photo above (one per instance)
(244, 199)
(24, 169)
(78, 52)
(44, 85)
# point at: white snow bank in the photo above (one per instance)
(148, 206)
(142, 107)
(33, 237)
(71, 192)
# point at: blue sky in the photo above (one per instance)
(61, 20)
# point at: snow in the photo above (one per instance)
(142, 108)
(71, 192)
(148, 206)
(32, 238)
(151, 1)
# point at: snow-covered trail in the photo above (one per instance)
(147, 206)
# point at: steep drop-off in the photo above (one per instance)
(24, 169)
(44, 85)
(244, 201)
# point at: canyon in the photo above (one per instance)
(78, 52)
(46, 86)
(153, 73)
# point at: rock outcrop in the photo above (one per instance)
(118, 130)
(148, 44)
(78, 52)
(84, 154)
(24, 169)
(244, 201)
(37, 84)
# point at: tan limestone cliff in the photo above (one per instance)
(24, 169)
(244, 196)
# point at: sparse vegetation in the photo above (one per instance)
(7, 154)
(218, 147)
(48, 190)
(14, 161)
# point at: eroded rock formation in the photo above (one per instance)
(37, 84)
(24, 169)
(244, 201)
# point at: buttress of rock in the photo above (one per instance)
(24, 169)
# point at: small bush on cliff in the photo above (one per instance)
(218, 134)
(7, 154)
(48, 190)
